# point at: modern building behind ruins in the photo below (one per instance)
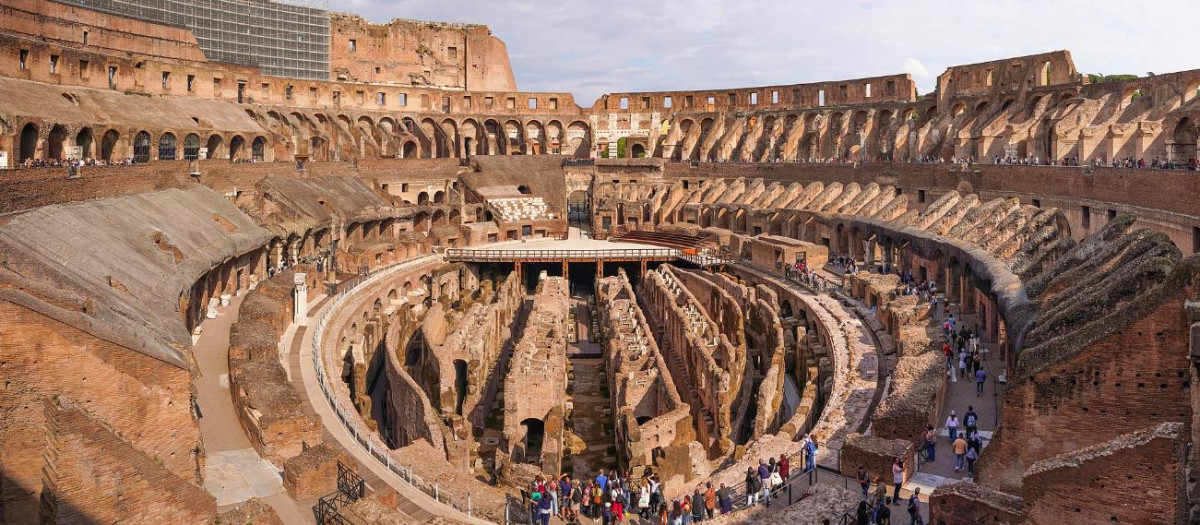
(251, 248)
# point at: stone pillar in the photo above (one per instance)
(300, 315)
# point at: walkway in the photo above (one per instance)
(233, 470)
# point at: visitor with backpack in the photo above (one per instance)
(914, 508)
(971, 419)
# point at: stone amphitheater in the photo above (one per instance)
(369, 281)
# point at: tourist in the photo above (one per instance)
(725, 500)
(930, 443)
(644, 500)
(602, 481)
(698, 504)
(914, 507)
(574, 499)
(784, 467)
(543, 509)
(663, 518)
(960, 452)
(880, 489)
(810, 453)
(764, 482)
(883, 514)
(897, 477)
(863, 481)
(980, 376)
(972, 455)
(861, 516)
(686, 510)
(710, 500)
(952, 426)
(676, 513)
(751, 486)
(971, 419)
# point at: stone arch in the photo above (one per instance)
(166, 146)
(257, 149)
(191, 147)
(141, 147)
(514, 142)
(28, 143)
(495, 142)
(579, 142)
(439, 217)
(449, 130)
(1192, 89)
(55, 142)
(1183, 141)
(410, 150)
(437, 139)
(637, 150)
(422, 198)
(554, 137)
(958, 109)
(439, 197)
(84, 140)
(108, 143)
(473, 138)
(535, 137)
(235, 147)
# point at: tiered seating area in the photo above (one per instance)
(666, 239)
(520, 209)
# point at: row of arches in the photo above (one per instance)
(142, 147)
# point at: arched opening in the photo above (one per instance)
(29, 140)
(1183, 148)
(214, 144)
(108, 143)
(423, 198)
(54, 143)
(191, 147)
(410, 150)
(256, 149)
(141, 147)
(578, 213)
(83, 140)
(535, 434)
(235, 147)
(785, 309)
(523, 190)
(439, 197)
(166, 147)
(460, 385)
(637, 151)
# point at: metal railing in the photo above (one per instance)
(351, 419)
(469, 255)
(350, 488)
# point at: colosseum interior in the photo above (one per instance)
(376, 283)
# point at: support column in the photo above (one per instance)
(300, 315)
(642, 269)
(566, 275)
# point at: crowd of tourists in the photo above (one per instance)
(612, 498)
(66, 163)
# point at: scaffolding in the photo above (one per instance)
(287, 39)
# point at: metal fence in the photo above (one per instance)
(350, 418)
(658, 254)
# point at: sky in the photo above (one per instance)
(589, 48)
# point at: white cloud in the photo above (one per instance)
(626, 45)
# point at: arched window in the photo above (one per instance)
(191, 147)
(141, 147)
(29, 141)
(166, 147)
(256, 149)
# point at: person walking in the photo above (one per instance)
(751, 483)
(971, 419)
(725, 500)
(952, 426)
(930, 443)
(960, 452)
(914, 508)
(863, 481)
(972, 455)
(980, 377)
(764, 482)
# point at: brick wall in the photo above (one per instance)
(1134, 478)
(876, 455)
(1137, 374)
(966, 503)
(143, 401)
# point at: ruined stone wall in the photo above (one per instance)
(536, 385)
(875, 455)
(268, 407)
(652, 420)
(413, 52)
(687, 334)
(147, 402)
(95, 475)
(1063, 489)
(1138, 373)
(966, 503)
